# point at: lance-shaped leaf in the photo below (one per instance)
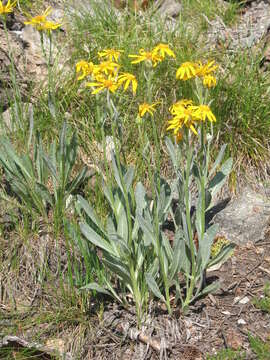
(96, 239)
(219, 179)
(153, 286)
(218, 160)
(205, 245)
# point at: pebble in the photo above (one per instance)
(244, 301)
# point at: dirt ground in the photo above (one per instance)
(219, 321)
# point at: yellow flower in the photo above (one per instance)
(104, 83)
(179, 104)
(8, 8)
(110, 54)
(86, 68)
(203, 112)
(147, 108)
(184, 116)
(209, 81)
(128, 78)
(162, 50)
(41, 23)
(206, 69)
(186, 71)
(219, 243)
(149, 56)
(48, 26)
(106, 67)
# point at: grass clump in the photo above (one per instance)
(259, 347)
(227, 354)
(263, 303)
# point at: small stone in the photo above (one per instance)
(241, 322)
(225, 312)
(244, 301)
(236, 299)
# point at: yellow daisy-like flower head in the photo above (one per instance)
(37, 20)
(147, 108)
(110, 54)
(162, 50)
(107, 68)
(209, 81)
(48, 26)
(184, 117)
(41, 23)
(148, 56)
(187, 71)
(127, 79)
(203, 112)
(85, 68)
(103, 83)
(8, 8)
(207, 69)
(179, 104)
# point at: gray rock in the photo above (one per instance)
(170, 8)
(246, 218)
(247, 32)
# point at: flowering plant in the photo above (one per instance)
(135, 246)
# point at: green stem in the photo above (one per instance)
(190, 233)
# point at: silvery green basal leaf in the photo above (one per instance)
(193, 236)
(28, 174)
(121, 240)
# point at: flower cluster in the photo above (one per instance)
(189, 70)
(154, 56)
(8, 8)
(186, 114)
(219, 243)
(41, 23)
(106, 75)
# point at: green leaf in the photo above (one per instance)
(77, 181)
(122, 225)
(116, 174)
(89, 212)
(167, 246)
(51, 167)
(154, 286)
(219, 179)
(147, 228)
(96, 287)
(176, 264)
(62, 144)
(205, 245)
(44, 193)
(96, 239)
(118, 268)
(128, 178)
(172, 152)
(218, 160)
(208, 289)
(140, 198)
